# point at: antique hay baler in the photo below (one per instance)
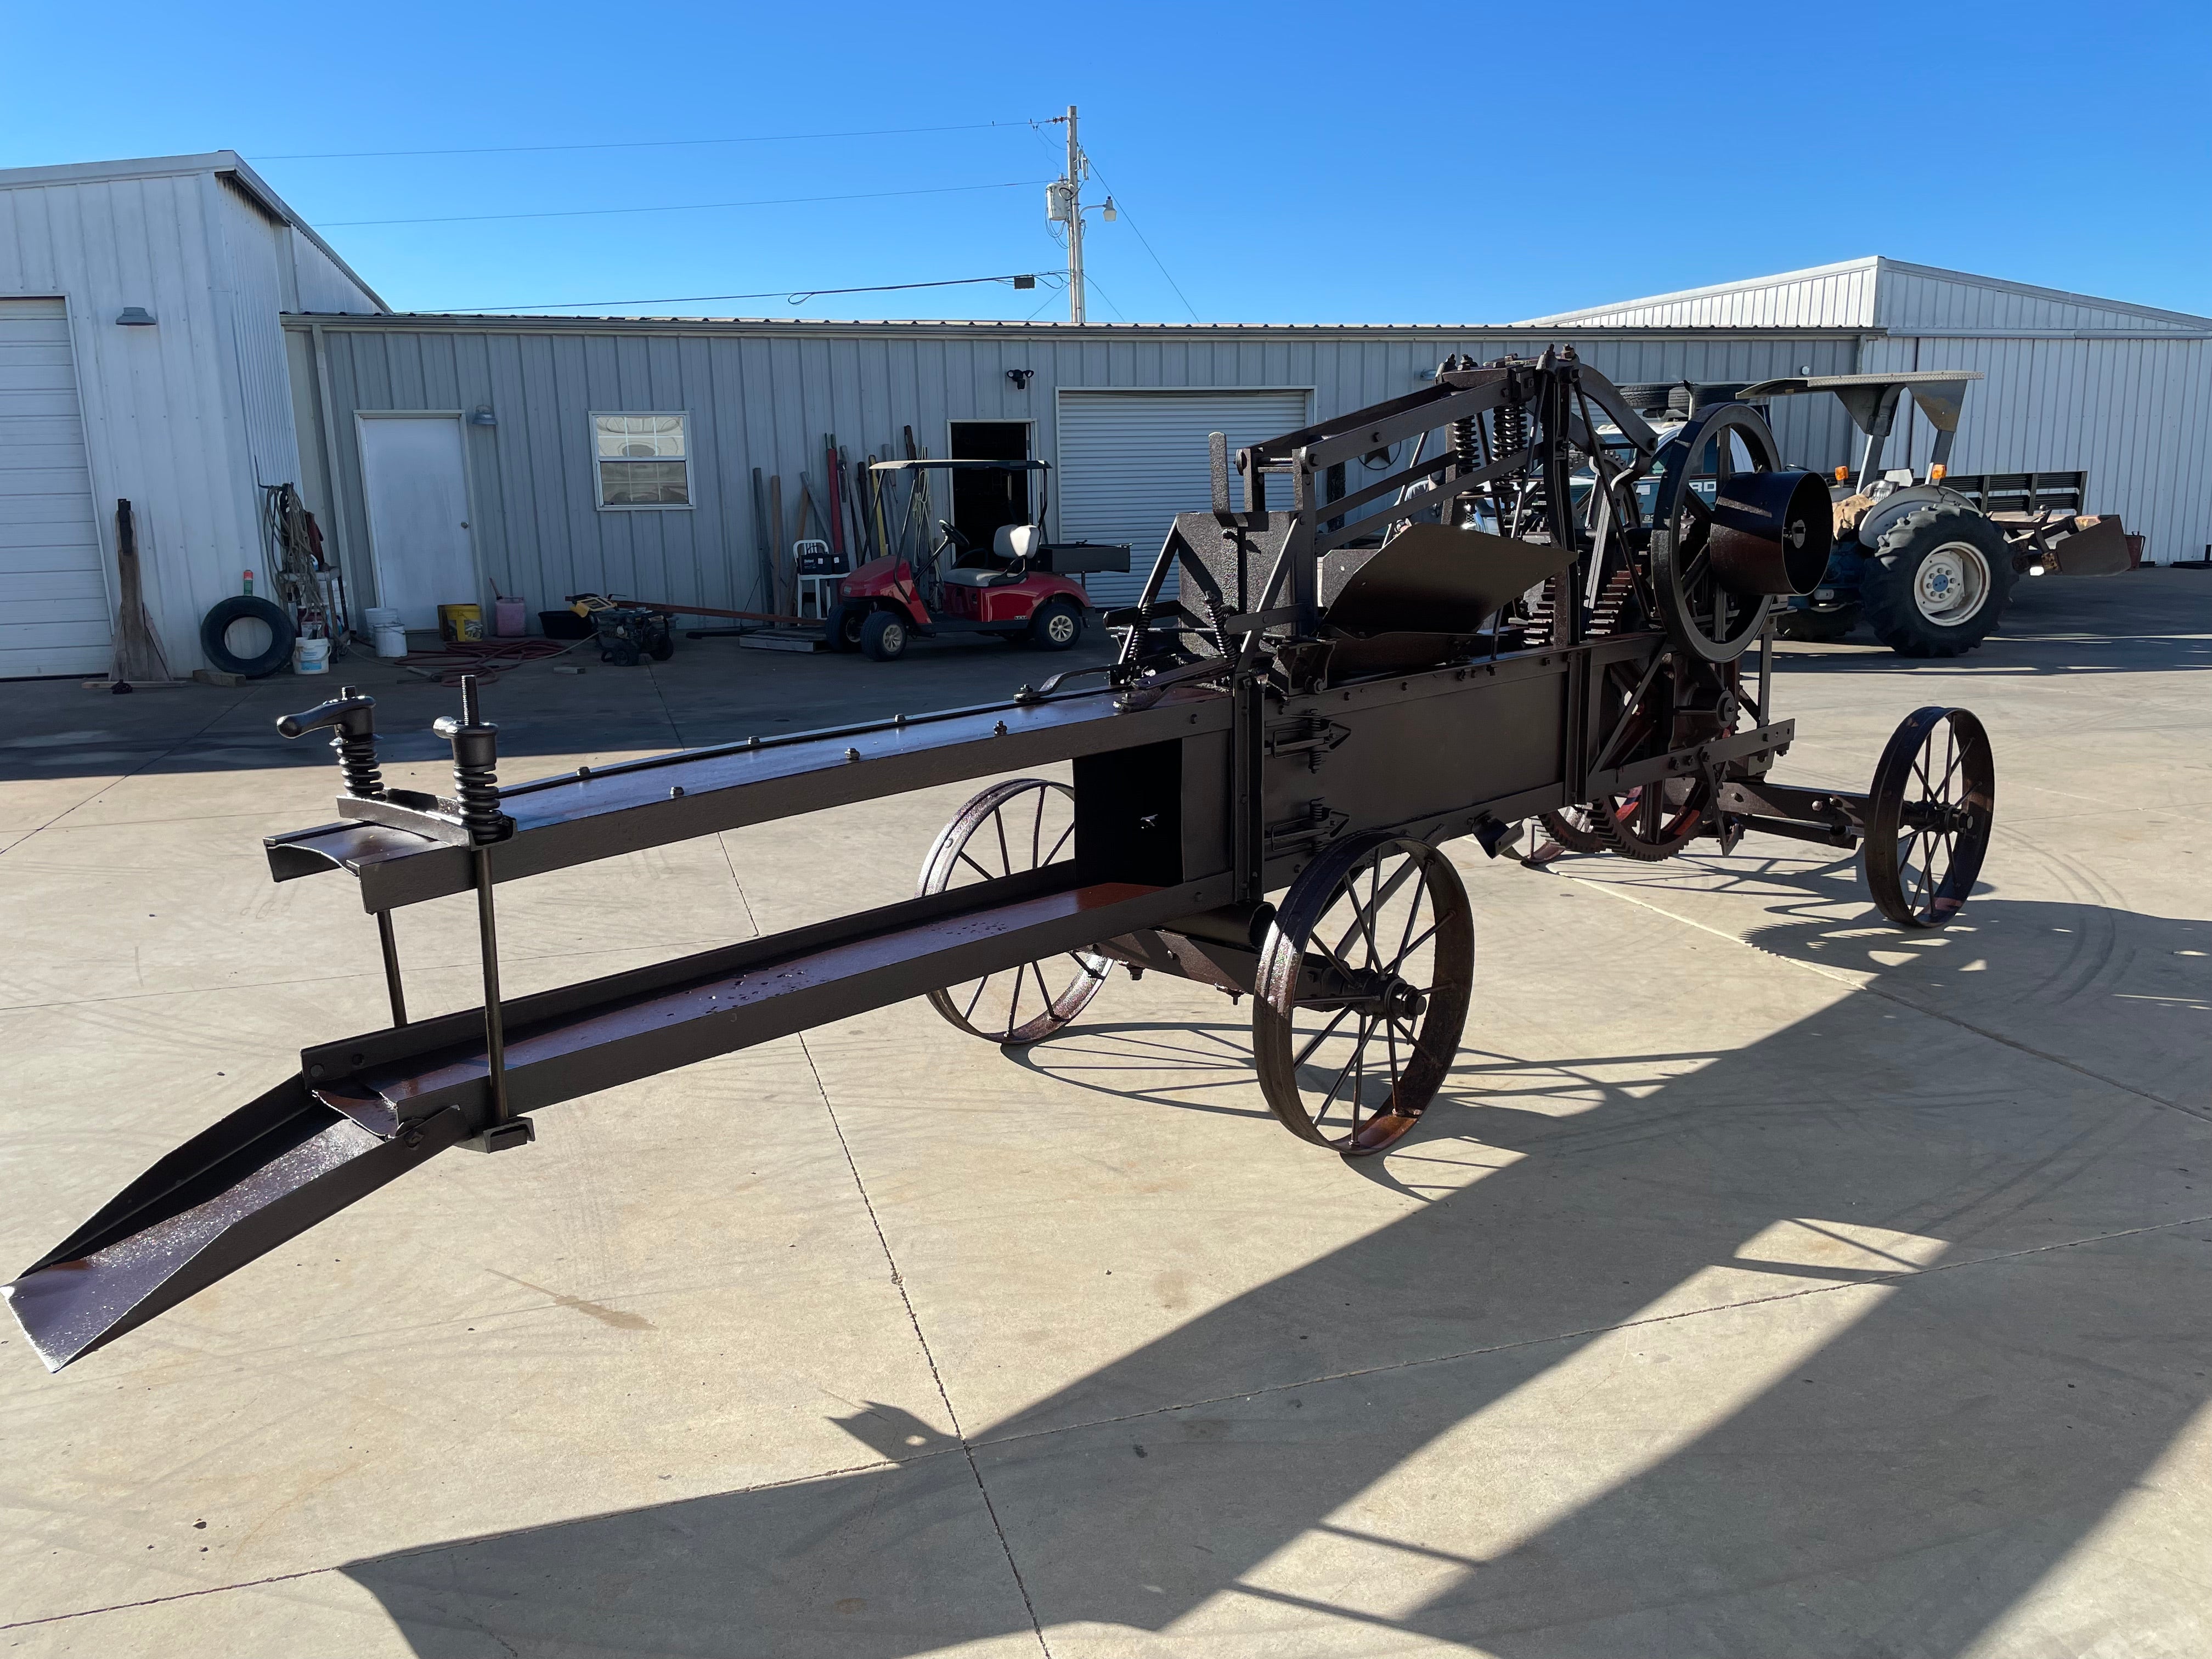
(1547, 614)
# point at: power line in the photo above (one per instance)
(795, 296)
(1172, 283)
(685, 207)
(635, 144)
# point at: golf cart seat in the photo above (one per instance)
(1014, 544)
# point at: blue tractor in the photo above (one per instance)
(1928, 561)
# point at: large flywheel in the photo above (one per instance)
(1731, 529)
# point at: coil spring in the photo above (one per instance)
(476, 790)
(357, 766)
(1512, 425)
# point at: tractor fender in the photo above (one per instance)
(1885, 513)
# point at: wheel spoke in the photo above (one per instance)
(1057, 845)
(972, 865)
(981, 986)
(1036, 831)
(999, 824)
(1306, 1053)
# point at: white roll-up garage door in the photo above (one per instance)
(54, 616)
(1129, 461)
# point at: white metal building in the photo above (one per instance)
(142, 356)
(2121, 391)
(170, 332)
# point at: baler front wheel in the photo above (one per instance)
(1929, 816)
(1020, 825)
(1363, 990)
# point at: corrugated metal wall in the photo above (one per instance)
(181, 417)
(763, 396)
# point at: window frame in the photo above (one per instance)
(592, 419)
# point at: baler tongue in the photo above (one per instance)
(237, 1190)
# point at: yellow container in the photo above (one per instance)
(458, 622)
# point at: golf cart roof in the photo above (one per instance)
(964, 466)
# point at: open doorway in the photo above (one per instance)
(982, 501)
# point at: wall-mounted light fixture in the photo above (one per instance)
(1021, 377)
(483, 417)
(134, 317)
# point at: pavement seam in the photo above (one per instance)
(1873, 988)
(1902, 1276)
(898, 1283)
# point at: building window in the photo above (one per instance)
(641, 459)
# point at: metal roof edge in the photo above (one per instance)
(2066, 296)
(234, 169)
(774, 326)
(1867, 262)
(226, 164)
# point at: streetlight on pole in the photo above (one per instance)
(1063, 204)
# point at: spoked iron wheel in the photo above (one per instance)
(1703, 616)
(1010, 827)
(1929, 816)
(1363, 991)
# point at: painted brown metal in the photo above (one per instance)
(1329, 692)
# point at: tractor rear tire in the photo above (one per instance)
(883, 636)
(1937, 582)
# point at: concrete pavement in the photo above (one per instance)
(1764, 1282)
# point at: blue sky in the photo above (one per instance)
(1287, 163)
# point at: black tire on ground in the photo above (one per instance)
(1938, 582)
(1057, 624)
(622, 654)
(845, 634)
(248, 607)
(1826, 627)
(883, 636)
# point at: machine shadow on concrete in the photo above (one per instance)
(1919, 1469)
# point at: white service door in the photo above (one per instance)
(55, 617)
(418, 514)
(1129, 461)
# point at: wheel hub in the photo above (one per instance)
(1951, 583)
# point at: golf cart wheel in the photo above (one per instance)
(883, 636)
(1012, 828)
(1929, 816)
(1362, 991)
(845, 631)
(1937, 583)
(1057, 625)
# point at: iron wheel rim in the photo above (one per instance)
(1391, 916)
(1000, 825)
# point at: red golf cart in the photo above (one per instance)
(1021, 587)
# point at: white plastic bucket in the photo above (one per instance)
(378, 615)
(391, 639)
(311, 657)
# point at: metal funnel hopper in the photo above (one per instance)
(238, 1189)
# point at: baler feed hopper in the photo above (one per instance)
(1308, 699)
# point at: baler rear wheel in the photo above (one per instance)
(1361, 993)
(1023, 824)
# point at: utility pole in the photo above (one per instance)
(1074, 223)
